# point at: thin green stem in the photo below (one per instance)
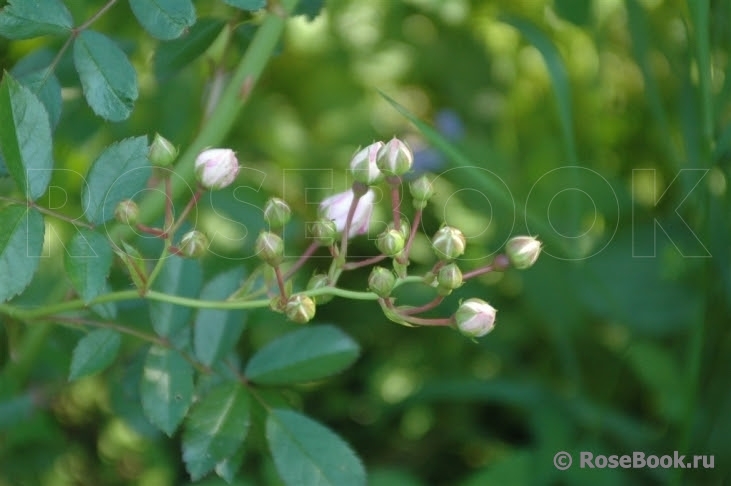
(223, 117)
(158, 265)
(96, 16)
(74, 33)
(150, 338)
(25, 314)
(49, 212)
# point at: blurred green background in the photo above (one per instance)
(602, 126)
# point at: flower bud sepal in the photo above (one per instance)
(300, 309)
(318, 281)
(277, 213)
(270, 248)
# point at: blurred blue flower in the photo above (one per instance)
(427, 159)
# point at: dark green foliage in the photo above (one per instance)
(600, 127)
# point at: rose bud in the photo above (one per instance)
(162, 152)
(270, 248)
(193, 244)
(449, 243)
(390, 242)
(216, 168)
(523, 251)
(277, 213)
(300, 308)
(363, 165)
(324, 232)
(381, 281)
(449, 278)
(421, 190)
(318, 281)
(336, 207)
(475, 318)
(395, 158)
(127, 212)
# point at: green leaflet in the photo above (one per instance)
(25, 137)
(306, 452)
(24, 19)
(94, 352)
(21, 243)
(305, 355)
(164, 19)
(108, 78)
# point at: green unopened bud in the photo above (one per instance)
(475, 318)
(270, 248)
(449, 243)
(193, 244)
(324, 231)
(318, 281)
(300, 309)
(449, 278)
(162, 152)
(421, 190)
(277, 213)
(395, 158)
(523, 251)
(391, 242)
(404, 227)
(381, 281)
(127, 212)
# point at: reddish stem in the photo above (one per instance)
(302, 259)
(280, 282)
(193, 201)
(412, 235)
(348, 221)
(157, 232)
(420, 321)
(168, 203)
(422, 308)
(477, 272)
(395, 183)
(364, 263)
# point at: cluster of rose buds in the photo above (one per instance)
(344, 216)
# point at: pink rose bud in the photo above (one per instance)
(216, 168)
(336, 207)
(395, 158)
(475, 318)
(363, 165)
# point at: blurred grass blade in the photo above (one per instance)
(699, 15)
(559, 80)
(637, 24)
